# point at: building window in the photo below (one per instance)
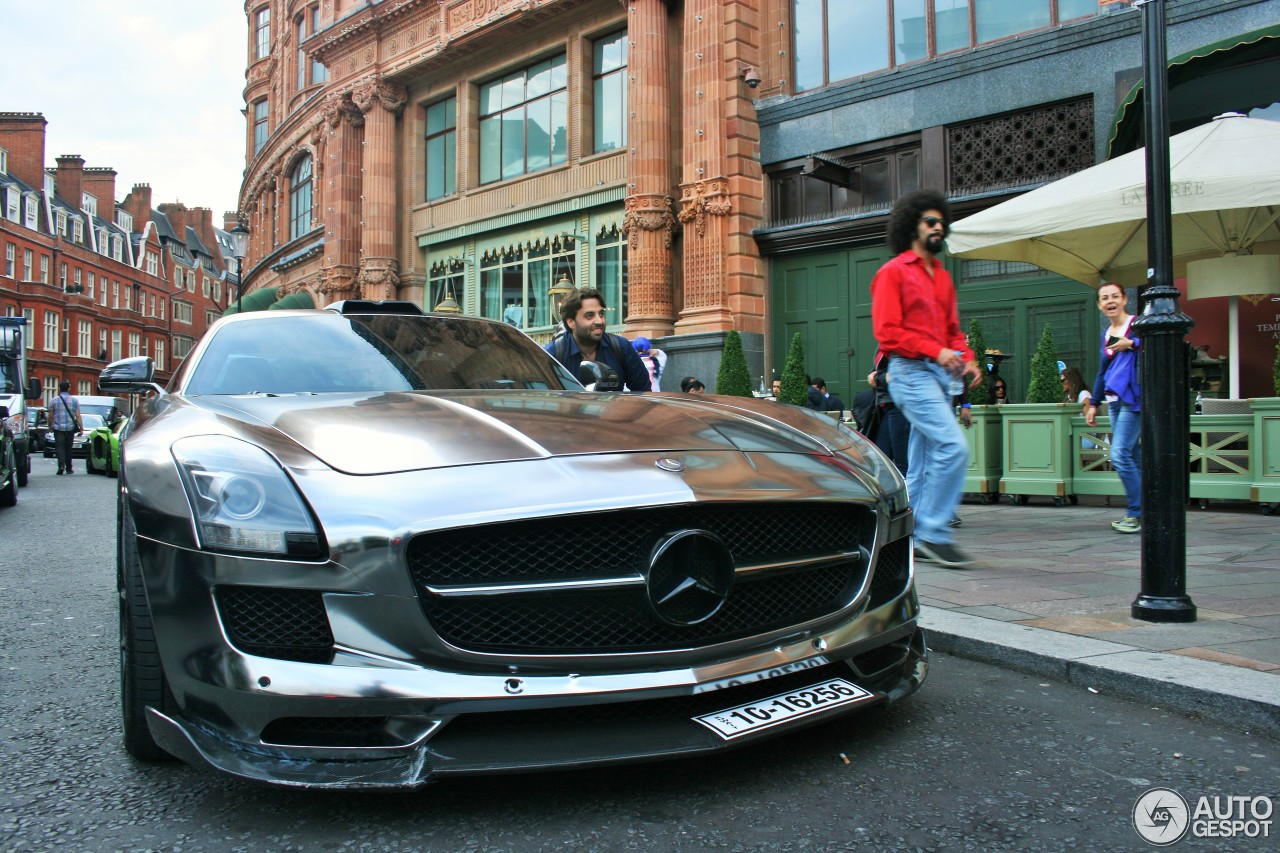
(30, 213)
(77, 230)
(153, 263)
(117, 247)
(77, 282)
(160, 363)
(102, 343)
(62, 276)
(115, 344)
(61, 218)
(51, 331)
(300, 198)
(444, 279)
(10, 259)
(514, 280)
(30, 315)
(609, 78)
(115, 294)
(89, 204)
(27, 259)
(262, 33)
(85, 387)
(442, 148)
(310, 71)
(124, 221)
(135, 345)
(93, 286)
(611, 268)
(44, 268)
(11, 205)
(84, 339)
(4, 162)
(836, 40)
(259, 125)
(182, 312)
(523, 121)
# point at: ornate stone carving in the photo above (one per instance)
(335, 281)
(699, 199)
(648, 213)
(378, 277)
(376, 90)
(348, 110)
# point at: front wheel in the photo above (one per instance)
(24, 468)
(9, 494)
(142, 680)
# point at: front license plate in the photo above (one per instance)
(783, 708)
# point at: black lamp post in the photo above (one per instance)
(1163, 328)
(239, 248)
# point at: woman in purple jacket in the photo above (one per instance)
(1117, 382)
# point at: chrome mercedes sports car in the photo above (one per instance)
(363, 546)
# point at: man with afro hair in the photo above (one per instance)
(913, 312)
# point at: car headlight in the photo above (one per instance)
(17, 424)
(242, 500)
(882, 468)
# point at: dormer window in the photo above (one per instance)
(124, 220)
(88, 204)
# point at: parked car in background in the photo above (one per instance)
(37, 424)
(366, 547)
(79, 443)
(102, 447)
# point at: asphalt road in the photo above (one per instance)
(981, 759)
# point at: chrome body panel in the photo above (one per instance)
(376, 469)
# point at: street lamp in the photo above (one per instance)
(239, 248)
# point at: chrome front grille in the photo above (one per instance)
(576, 584)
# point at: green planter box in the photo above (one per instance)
(982, 478)
(1036, 450)
(1266, 451)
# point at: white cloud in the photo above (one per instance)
(150, 88)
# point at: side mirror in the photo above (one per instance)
(127, 376)
(4, 412)
(598, 376)
(33, 390)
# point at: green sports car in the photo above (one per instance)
(102, 446)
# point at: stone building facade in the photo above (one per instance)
(497, 151)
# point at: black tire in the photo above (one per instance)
(88, 461)
(142, 680)
(24, 468)
(1075, 499)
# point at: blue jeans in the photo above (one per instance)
(938, 454)
(1126, 429)
(894, 435)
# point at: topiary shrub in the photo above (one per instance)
(794, 390)
(981, 394)
(1276, 372)
(1046, 384)
(734, 379)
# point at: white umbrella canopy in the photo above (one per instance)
(1091, 226)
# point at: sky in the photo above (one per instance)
(150, 88)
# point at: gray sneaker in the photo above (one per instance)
(1128, 524)
(942, 554)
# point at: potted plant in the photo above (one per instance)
(794, 389)
(734, 378)
(982, 478)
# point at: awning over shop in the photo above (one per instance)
(297, 299)
(258, 300)
(1236, 74)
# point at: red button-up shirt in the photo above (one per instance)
(914, 315)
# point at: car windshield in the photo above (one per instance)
(326, 352)
(90, 421)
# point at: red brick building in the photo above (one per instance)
(98, 280)
(492, 150)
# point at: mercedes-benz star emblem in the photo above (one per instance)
(690, 575)
(666, 463)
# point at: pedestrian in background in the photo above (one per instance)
(915, 319)
(655, 361)
(65, 410)
(691, 385)
(1117, 383)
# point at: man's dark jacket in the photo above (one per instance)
(632, 370)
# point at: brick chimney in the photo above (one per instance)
(100, 183)
(22, 135)
(202, 221)
(138, 205)
(230, 220)
(68, 179)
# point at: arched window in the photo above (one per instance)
(300, 198)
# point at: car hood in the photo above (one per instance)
(380, 433)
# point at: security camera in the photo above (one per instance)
(751, 77)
